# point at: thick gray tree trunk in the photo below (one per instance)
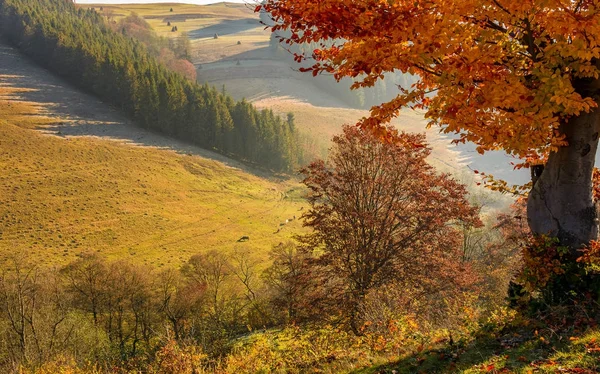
(560, 203)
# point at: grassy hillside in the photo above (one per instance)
(231, 22)
(63, 196)
(513, 350)
(507, 343)
(253, 70)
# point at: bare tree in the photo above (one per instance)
(35, 307)
(178, 299)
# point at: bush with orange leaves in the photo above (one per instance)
(548, 275)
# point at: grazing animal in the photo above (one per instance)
(244, 238)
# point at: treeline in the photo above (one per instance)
(79, 46)
(119, 316)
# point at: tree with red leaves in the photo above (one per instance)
(521, 76)
(381, 214)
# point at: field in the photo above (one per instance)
(230, 22)
(91, 182)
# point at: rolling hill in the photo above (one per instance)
(77, 178)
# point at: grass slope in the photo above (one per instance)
(534, 348)
(65, 196)
(231, 22)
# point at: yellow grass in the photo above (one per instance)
(66, 196)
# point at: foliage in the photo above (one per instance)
(496, 250)
(118, 313)
(382, 215)
(505, 74)
(523, 77)
(301, 350)
(548, 276)
(79, 46)
(287, 278)
(174, 359)
(542, 260)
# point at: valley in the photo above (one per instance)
(159, 212)
(80, 178)
(104, 185)
(242, 60)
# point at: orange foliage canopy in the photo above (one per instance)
(505, 73)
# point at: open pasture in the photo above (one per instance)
(77, 178)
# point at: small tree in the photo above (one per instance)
(291, 120)
(178, 299)
(86, 281)
(519, 76)
(382, 215)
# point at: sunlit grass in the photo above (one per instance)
(65, 196)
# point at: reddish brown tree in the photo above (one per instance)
(519, 76)
(381, 214)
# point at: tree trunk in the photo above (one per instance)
(560, 203)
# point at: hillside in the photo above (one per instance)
(140, 232)
(99, 184)
(242, 59)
